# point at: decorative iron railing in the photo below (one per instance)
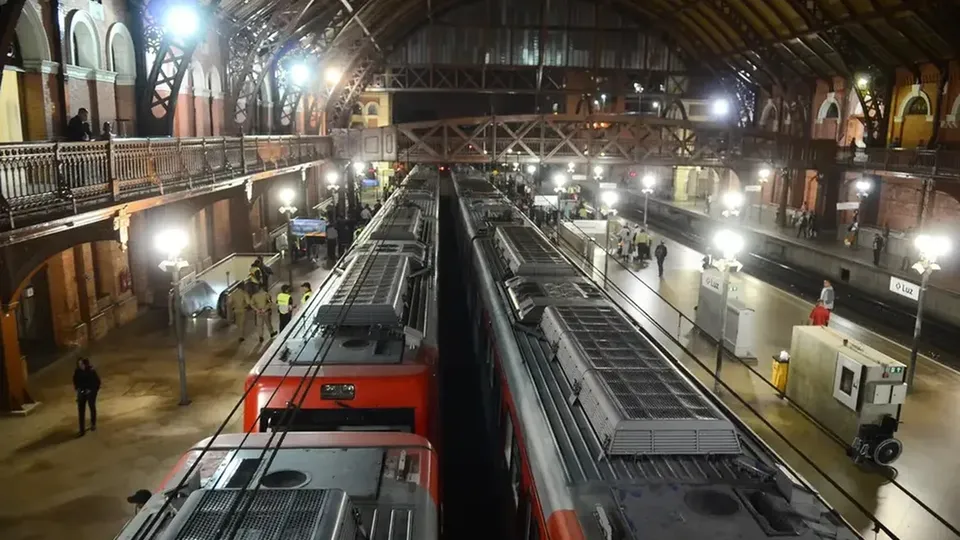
(40, 181)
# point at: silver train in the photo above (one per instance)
(603, 434)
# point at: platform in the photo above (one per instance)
(930, 467)
(825, 256)
(59, 486)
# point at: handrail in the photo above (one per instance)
(43, 180)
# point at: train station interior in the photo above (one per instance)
(758, 199)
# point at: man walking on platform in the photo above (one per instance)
(86, 383)
(820, 315)
(333, 240)
(661, 255)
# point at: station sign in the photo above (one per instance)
(904, 288)
(755, 187)
(848, 205)
(608, 185)
(713, 279)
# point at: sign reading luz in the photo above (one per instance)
(904, 288)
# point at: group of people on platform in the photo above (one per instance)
(635, 243)
(254, 295)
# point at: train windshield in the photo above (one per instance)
(339, 419)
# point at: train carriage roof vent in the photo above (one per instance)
(397, 223)
(371, 293)
(529, 254)
(637, 401)
(291, 514)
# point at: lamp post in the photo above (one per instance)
(930, 248)
(286, 196)
(609, 199)
(732, 203)
(863, 190)
(763, 176)
(729, 243)
(171, 244)
(649, 181)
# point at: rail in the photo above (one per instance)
(45, 180)
(917, 161)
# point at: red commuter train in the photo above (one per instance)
(321, 486)
(362, 355)
(604, 435)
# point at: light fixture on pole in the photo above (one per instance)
(609, 199)
(648, 181)
(359, 166)
(598, 172)
(182, 21)
(732, 203)
(763, 176)
(332, 75)
(730, 244)
(333, 180)
(287, 195)
(571, 167)
(299, 74)
(171, 244)
(720, 108)
(863, 191)
(930, 248)
(531, 169)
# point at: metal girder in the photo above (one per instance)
(560, 139)
(504, 80)
(285, 110)
(172, 56)
(264, 50)
(349, 88)
(9, 15)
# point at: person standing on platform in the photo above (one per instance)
(78, 129)
(86, 383)
(708, 201)
(827, 295)
(802, 225)
(239, 303)
(661, 255)
(333, 239)
(261, 303)
(265, 273)
(626, 235)
(285, 306)
(307, 293)
(820, 316)
(877, 248)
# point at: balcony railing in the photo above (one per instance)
(934, 163)
(42, 181)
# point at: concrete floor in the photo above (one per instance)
(56, 485)
(930, 466)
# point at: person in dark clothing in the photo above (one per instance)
(265, 273)
(78, 129)
(86, 383)
(877, 249)
(661, 255)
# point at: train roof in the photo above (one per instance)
(378, 305)
(646, 451)
(312, 486)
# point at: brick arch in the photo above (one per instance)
(120, 50)
(88, 52)
(32, 255)
(828, 102)
(769, 117)
(915, 93)
(32, 35)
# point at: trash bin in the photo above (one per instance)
(781, 368)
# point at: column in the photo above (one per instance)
(828, 194)
(68, 327)
(242, 216)
(40, 107)
(13, 390)
(928, 197)
(681, 180)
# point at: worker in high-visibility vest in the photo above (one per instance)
(285, 306)
(307, 293)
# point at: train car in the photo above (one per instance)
(317, 486)
(604, 435)
(362, 355)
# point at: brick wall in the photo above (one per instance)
(64, 300)
(126, 108)
(221, 229)
(218, 115)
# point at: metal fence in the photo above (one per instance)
(40, 181)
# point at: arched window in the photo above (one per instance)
(372, 109)
(833, 111)
(120, 52)
(83, 40)
(917, 106)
